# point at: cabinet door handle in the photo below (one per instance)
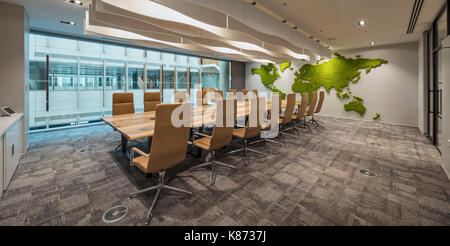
(12, 150)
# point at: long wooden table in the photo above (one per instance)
(141, 125)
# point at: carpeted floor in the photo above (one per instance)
(72, 177)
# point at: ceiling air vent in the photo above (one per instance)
(414, 16)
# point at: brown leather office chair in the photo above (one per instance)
(232, 91)
(151, 99)
(250, 130)
(266, 124)
(221, 136)
(318, 108)
(122, 103)
(286, 120)
(168, 148)
(299, 117)
(180, 97)
(201, 95)
(311, 107)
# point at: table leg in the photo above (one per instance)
(124, 144)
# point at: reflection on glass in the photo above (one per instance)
(153, 78)
(115, 76)
(136, 77)
(91, 75)
(182, 81)
(168, 84)
(136, 85)
(90, 85)
(63, 75)
(84, 75)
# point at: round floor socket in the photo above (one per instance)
(367, 173)
(115, 214)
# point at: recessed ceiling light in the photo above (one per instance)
(69, 23)
(372, 43)
(362, 22)
(76, 2)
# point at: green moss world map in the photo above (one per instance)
(336, 73)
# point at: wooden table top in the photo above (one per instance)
(141, 125)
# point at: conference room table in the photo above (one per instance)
(141, 125)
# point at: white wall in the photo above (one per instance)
(444, 74)
(391, 90)
(422, 117)
(14, 61)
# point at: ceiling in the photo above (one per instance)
(45, 15)
(334, 22)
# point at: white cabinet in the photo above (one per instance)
(1, 166)
(12, 153)
(10, 148)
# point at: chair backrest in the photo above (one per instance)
(223, 129)
(255, 91)
(232, 91)
(320, 104)
(218, 95)
(252, 130)
(180, 97)
(169, 143)
(303, 107)
(201, 94)
(312, 105)
(151, 99)
(244, 91)
(289, 110)
(122, 103)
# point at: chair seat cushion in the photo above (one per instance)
(142, 163)
(239, 132)
(204, 143)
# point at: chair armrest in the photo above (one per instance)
(191, 143)
(134, 149)
(202, 134)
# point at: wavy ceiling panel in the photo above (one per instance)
(170, 26)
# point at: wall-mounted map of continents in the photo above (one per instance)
(269, 74)
(336, 73)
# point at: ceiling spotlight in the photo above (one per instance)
(284, 21)
(76, 2)
(362, 22)
(254, 3)
(295, 27)
(69, 23)
(372, 43)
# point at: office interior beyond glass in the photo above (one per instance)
(83, 75)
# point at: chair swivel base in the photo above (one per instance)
(246, 149)
(265, 141)
(160, 186)
(213, 164)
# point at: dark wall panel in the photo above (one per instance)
(237, 75)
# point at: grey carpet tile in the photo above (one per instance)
(72, 177)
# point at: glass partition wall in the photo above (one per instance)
(72, 81)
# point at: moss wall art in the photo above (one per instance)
(338, 73)
(269, 74)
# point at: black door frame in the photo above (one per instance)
(434, 47)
